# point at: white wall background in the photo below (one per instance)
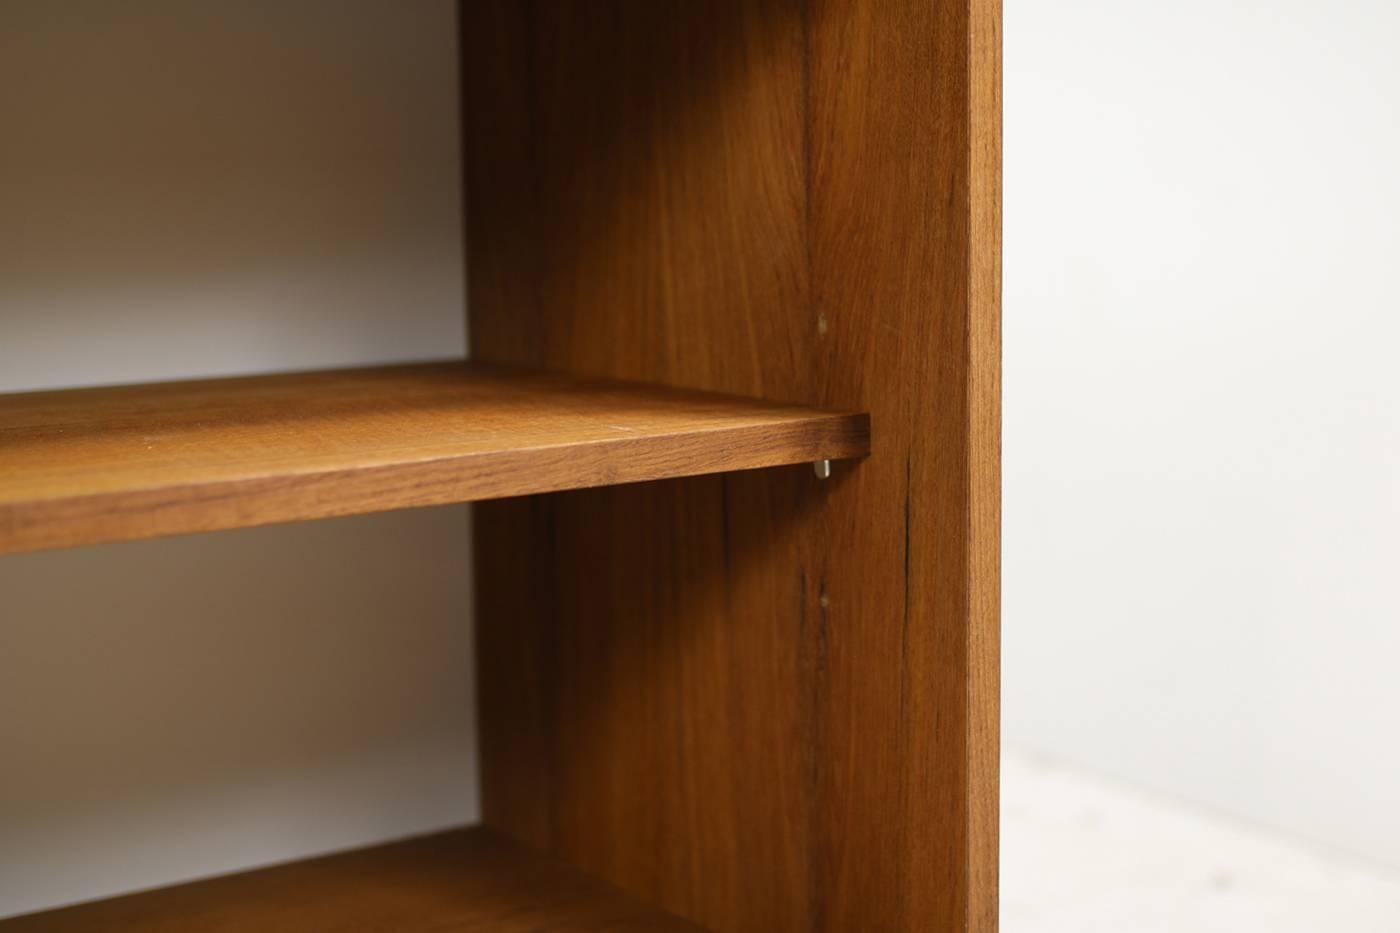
(1202, 565)
(209, 188)
(191, 189)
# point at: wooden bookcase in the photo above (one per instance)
(709, 244)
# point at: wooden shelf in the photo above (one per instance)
(469, 881)
(91, 465)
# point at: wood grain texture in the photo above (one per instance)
(984, 460)
(469, 881)
(765, 702)
(89, 465)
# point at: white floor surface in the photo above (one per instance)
(1082, 855)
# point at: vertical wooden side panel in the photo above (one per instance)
(763, 701)
(984, 452)
(889, 241)
(517, 651)
(665, 204)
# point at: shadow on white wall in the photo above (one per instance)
(192, 189)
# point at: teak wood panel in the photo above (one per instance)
(468, 881)
(764, 702)
(88, 465)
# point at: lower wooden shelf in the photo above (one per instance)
(467, 881)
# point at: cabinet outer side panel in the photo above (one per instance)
(762, 701)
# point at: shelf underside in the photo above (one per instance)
(92, 465)
(468, 881)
